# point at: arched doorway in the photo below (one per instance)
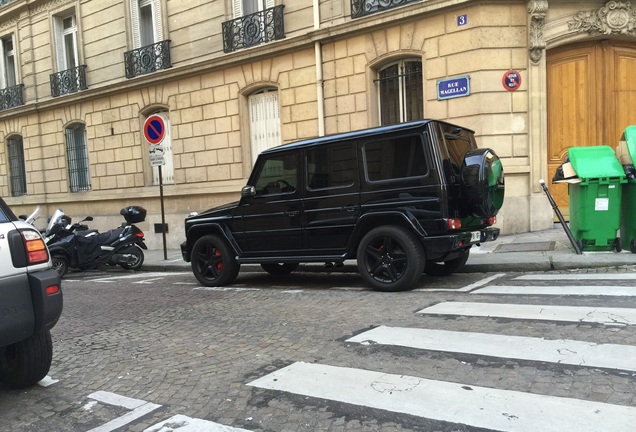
(591, 90)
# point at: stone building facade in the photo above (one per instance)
(232, 77)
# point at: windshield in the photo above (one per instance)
(56, 216)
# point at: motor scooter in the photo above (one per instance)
(122, 246)
(61, 226)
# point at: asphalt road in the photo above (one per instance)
(322, 352)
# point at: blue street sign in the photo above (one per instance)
(453, 87)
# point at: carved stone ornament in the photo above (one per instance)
(616, 17)
(536, 43)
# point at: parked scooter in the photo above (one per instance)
(122, 246)
(61, 226)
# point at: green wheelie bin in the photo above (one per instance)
(595, 202)
(628, 203)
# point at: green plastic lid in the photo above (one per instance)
(592, 162)
(630, 137)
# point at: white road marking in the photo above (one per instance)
(47, 381)
(571, 352)
(481, 407)
(602, 315)
(181, 423)
(226, 289)
(149, 281)
(574, 290)
(579, 276)
(139, 409)
(139, 275)
(467, 287)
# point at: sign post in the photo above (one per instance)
(154, 132)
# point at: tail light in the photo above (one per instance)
(52, 289)
(140, 234)
(35, 247)
(490, 221)
(454, 224)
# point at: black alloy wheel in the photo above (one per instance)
(60, 264)
(138, 255)
(213, 261)
(390, 258)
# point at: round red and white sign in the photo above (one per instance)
(511, 80)
(154, 129)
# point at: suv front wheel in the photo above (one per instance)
(213, 262)
(390, 258)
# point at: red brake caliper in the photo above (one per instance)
(219, 264)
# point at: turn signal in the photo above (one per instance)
(35, 247)
(454, 224)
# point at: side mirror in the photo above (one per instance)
(88, 218)
(248, 192)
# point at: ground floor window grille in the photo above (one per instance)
(77, 158)
(17, 171)
(400, 92)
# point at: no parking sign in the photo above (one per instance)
(154, 132)
(511, 80)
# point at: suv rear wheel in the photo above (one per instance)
(446, 268)
(213, 262)
(26, 362)
(390, 258)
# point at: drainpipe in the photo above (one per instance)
(320, 92)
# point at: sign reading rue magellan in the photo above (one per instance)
(448, 88)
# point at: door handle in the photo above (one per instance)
(350, 208)
(292, 213)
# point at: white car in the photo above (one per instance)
(30, 302)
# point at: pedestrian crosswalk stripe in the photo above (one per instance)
(570, 352)
(481, 407)
(181, 423)
(601, 315)
(579, 276)
(581, 290)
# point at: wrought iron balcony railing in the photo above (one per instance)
(148, 59)
(68, 81)
(254, 29)
(360, 8)
(11, 97)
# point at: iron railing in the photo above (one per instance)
(11, 97)
(148, 59)
(360, 8)
(254, 29)
(68, 81)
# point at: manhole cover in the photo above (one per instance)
(526, 247)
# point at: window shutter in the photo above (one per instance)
(237, 8)
(134, 18)
(60, 56)
(156, 7)
(3, 66)
(264, 122)
(269, 4)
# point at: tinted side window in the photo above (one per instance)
(331, 166)
(278, 174)
(395, 158)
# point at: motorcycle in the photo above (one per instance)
(88, 249)
(60, 226)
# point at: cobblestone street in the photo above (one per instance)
(191, 351)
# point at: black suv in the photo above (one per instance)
(402, 200)
(30, 301)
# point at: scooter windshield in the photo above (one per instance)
(54, 219)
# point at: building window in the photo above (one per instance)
(146, 22)
(66, 41)
(400, 92)
(264, 121)
(17, 171)
(77, 159)
(167, 170)
(8, 62)
(249, 7)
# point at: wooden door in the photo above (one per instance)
(591, 96)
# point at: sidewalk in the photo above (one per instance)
(534, 251)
